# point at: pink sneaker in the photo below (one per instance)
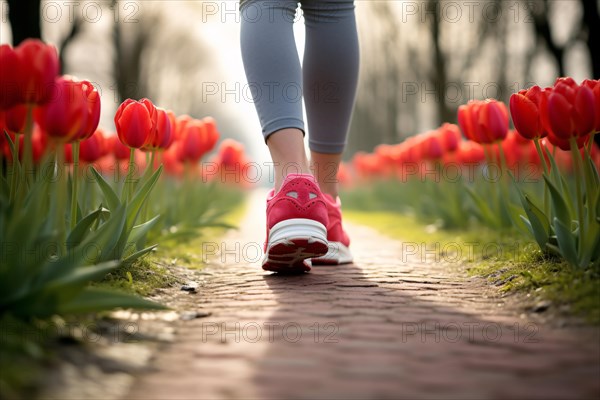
(338, 252)
(296, 225)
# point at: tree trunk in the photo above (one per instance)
(592, 21)
(542, 30)
(439, 77)
(24, 18)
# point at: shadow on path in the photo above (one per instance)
(384, 327)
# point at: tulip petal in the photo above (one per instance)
(559, 116)
(584, 117)
(525, 116)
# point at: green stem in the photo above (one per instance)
(60, 195)
(27, 149)
(590, 143)
(490, 160)
(151, 166)
(504, 189)
(75, 148)
(128, 190)
(538, 147)
(578, 174)
(152, 155)
(14, 169)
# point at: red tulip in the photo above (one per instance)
(212, 135)
(15, 118)
(40, 67)
(564, 144)
(483, 121)
(344, 177)
(450, 137)
(171, 162)
(525, 110)
(27, 73)
(519, 151)
(231, 153)
(232, 162)
(387, 155)
(93, 148)
(470, 153)
(161, 136)
(431, 147)
(92, 99)
(191, 142)
(39, 143)
(569, 111)
(594, 85)
(211, 126)
(198, 139)
(11, 83)
(118, 149)
(180, 125)
(66, 116)
(367, 165)
(2, 129)
(136, 121)
(173, 122)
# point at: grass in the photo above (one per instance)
(508, 261)
(147, 274)
(190, 253)
(23, 356)
(29, 348)
(141, 277)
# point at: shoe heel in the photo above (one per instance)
(298, 228)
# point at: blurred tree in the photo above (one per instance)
(417, 54)
(591, 20)
(25, 22)
(128, 59)
(588, 30)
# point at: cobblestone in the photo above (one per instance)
(377, 328)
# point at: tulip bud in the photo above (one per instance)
(92, 99)
(93, 148)
(483, 121)
(66, 115)
(136, 121)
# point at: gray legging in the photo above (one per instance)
(327, 80)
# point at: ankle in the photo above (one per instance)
(280, 176)
(330, 189)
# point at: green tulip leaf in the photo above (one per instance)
(141, 230)
(482, 209)
(540, 225)
(109, 235)
(130, 259)
(566, 242)
(46, 295)
(140, 195)
(83, 228)
(112, 199)
(561, 211)
(95, 299)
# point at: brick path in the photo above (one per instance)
(380, 328)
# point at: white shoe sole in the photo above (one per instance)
(292, 243)
(337, 253)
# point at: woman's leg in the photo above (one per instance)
(325, 168)
(330, 74)
(287, 152)
(274, 75)
(297, 214)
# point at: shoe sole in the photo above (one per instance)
(337, 253)
(292, 243)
